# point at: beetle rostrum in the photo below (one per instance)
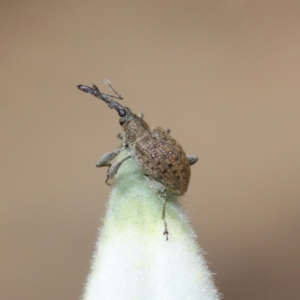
(165, 164)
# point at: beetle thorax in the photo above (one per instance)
(134, 128)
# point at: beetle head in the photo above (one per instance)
(134, 126)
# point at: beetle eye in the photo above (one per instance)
(122, 112)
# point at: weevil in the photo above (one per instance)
(164, 163)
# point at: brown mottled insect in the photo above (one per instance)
(164, 162)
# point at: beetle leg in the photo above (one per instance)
(120, 135)
(113, 170)
(155, 185)
(192, 159)
(105, 160)
(166, 232)
(161, 190)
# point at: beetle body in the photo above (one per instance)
(157, 153)
(162, 158)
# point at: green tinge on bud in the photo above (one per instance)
(133, 260)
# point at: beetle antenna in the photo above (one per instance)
(108, 83)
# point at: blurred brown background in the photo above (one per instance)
(223, 75)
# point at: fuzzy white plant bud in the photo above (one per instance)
(133, 260)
